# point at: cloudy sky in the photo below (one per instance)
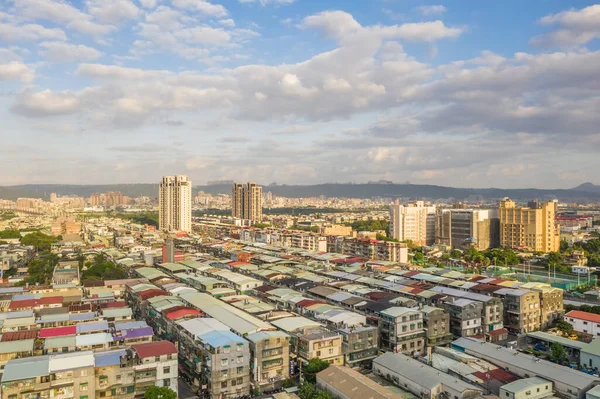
(465, 93)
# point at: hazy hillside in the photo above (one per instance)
(584, 192)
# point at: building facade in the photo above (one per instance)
(246, 201)
(175, 204)
(414, 222)
(468, 228)
(532, 228)
(402, 330)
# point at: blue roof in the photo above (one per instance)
(93, 326)
(111, 358)
(23, 297)
(11, 290)
(82, 316)
(216, 339)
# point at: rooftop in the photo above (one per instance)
(352, 384)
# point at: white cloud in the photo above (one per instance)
(431, 10)
(227, 22)
(573, 28)
(65, 52)
(204, 35)
(46, 103)
(16, 71)
(334, 24)
(62, 13)
(112, 11)
(113, 72)
(148, 3)
(29, 32)
(202, 6)
(267, 2)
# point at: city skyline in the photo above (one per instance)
(470, 93)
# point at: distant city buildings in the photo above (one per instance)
(468, 228)
(246, 201)
(414, 222)
(111, 198)
(175, 204)
(531, 228)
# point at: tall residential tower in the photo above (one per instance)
(414, 222)
(246, 201)
(175, 204)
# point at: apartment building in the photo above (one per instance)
(468, 228)
(414, 222)
(368, 248)
(114, 374)
(224, 357)
(155, 364)
(532, 228)
(175, 204)
(270, 359)
(246, 201)
(465, 316)
(551, 302)
(402, 330)
(584, 322)
(437, 326)
(521, 309)
(359, 344)
(320, 343)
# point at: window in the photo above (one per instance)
(240, 359)
(118, 377)
(102, 394)
(224, 384)
(166, 370)
(538, 389)
(169, 357)
(265, 376)
(318, 353)
(585, 323)
(507, 394)
(226, 349)
(279, 339)
(240, 380)
(166, 382)
(240, 347)
(156, 358)
(83, 387)
(233, 383)
(240, 370)
(331, 351)
(224, 362)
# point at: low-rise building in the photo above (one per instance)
(359, 344)
(465, 316)
(584, 322)
(527, 388)
(421, 379)
(345, 383)
(437, 326)
(320, 343)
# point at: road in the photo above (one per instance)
(185, 391)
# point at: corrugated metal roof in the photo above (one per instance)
(25, 345)
(59, 342)
(218, 338)
(101, 325)
(30, 367)
(111, 358)
(71, 361)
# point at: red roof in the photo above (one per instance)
(416, 291)
(308, 302)
(579, 314)
(152, 349)
(151, 293)
(18, 335)
(58, 331)
(80, 307)
(496, 375)
(411, 273)
(178, 314)
(25, 303)
(238, 263)
(500, 331)
(379, 295)
(51, 300)
(496, 282)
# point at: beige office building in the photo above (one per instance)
(414, 222)
(246, 201)
(531, 228)
(175, 204)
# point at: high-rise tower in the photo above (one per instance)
(175, 204)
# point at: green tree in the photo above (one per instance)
(558, 352)
(6, 234)
(103, 269)
(564, 327)
(456, 254)
(307, 391)
(288, 383)
(322, 395)
(313, 367)
(41, 241)
(564, 245)
(418, 257)
(155, 392)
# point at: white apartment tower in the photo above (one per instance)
(246, 201)
(414, 222)
(175, 204)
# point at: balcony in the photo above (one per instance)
(145, 376)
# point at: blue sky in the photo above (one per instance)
(460, 92)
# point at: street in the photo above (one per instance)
(185, 391)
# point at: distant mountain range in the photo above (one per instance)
(586, 191)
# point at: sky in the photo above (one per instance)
(463, 93)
